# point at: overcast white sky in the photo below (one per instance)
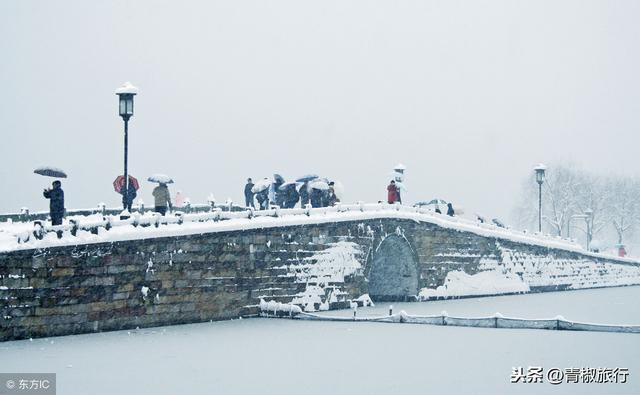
(469, 95)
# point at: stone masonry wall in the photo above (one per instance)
(221, 275)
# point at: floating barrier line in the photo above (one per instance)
(496, 321)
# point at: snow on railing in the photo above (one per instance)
(362, 210)
(496, 321)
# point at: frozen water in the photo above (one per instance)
(281, 356)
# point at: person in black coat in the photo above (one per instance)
(316, 197)
(129, 197)
(304, 194)
(248, 194)
(56, 202)
(291, 196)
(450, 211)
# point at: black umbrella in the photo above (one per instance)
(278, 178)
(306, 178)
(50, 172)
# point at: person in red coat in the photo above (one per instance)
(392, 192)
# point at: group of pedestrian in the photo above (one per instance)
(267, 193)
(394, 196)
(161, 197)
(316, 192)
(450, 211)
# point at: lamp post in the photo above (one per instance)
(125, 97)
(540, 169)
(589, 218)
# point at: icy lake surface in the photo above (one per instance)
(280, 356)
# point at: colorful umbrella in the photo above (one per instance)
(118, 183)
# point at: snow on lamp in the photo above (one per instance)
(126, 93)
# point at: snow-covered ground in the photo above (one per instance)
(280, 356)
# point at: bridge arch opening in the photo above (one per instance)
(393, 274)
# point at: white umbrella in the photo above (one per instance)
(261, 185)
(287, 185)
(319, 184)
(401, 186)
(160, 178)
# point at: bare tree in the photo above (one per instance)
(623, 205)
(559, 197)
(591, 201)
(574, 199)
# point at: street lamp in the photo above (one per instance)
(540, 169)
(589, 218)
(125, 96)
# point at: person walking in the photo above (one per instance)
(129, 197)
(248, 194)
(291, 196)
(316, 197)
(275, 194)
(392, 192)
(162, 198)
(180, 200)
(304, 194)
(263, 199)
(56, 202)
(450, 211)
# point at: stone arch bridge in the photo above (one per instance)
(201, 271)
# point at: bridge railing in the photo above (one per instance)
(96, 223)
(496, 321)
(26, 215)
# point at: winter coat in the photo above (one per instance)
(316, 197)
(180, 200)
(247, 190)
(292, 197)
(263, 199)
(56, 201)
(131, 195)
(392, 194)
(450, 211)
(332, 198)
(161, 196)
(304, 194)
(281, 197)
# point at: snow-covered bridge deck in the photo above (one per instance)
(104, 273)
(97, 228)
